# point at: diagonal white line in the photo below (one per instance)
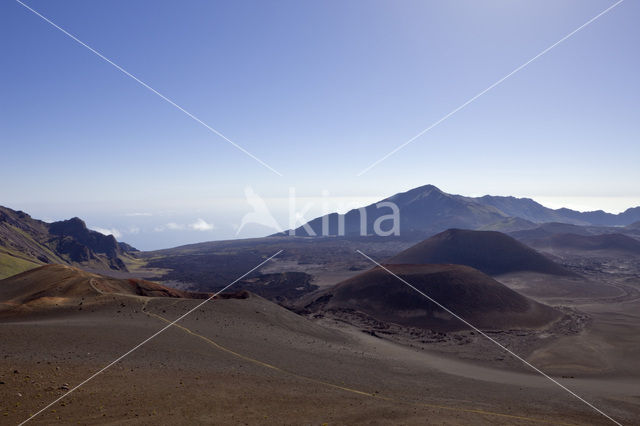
(492, 340)
(145, 85)
(398, 148)
(145, 341)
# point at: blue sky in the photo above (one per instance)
(318, 90)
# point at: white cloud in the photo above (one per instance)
(137, 214)
(133, 230)
(106, 231)
(198, 225)
(201, 225)
(175, 226)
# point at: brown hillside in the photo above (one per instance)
(491, 252)
(61, 284)
(469, 293)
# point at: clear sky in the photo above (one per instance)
(319, 91)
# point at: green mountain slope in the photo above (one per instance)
(26, 243)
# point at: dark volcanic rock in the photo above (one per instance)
(467, 292)
(66, 242)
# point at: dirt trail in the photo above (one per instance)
(219, 347)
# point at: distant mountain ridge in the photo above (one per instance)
(427, 210)
(26, 243)
(617, 243)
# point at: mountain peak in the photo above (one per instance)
(416, 193)
(426, 210)
(69, 226)
(427, 189)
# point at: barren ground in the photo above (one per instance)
(253, 362)
(249, 361)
